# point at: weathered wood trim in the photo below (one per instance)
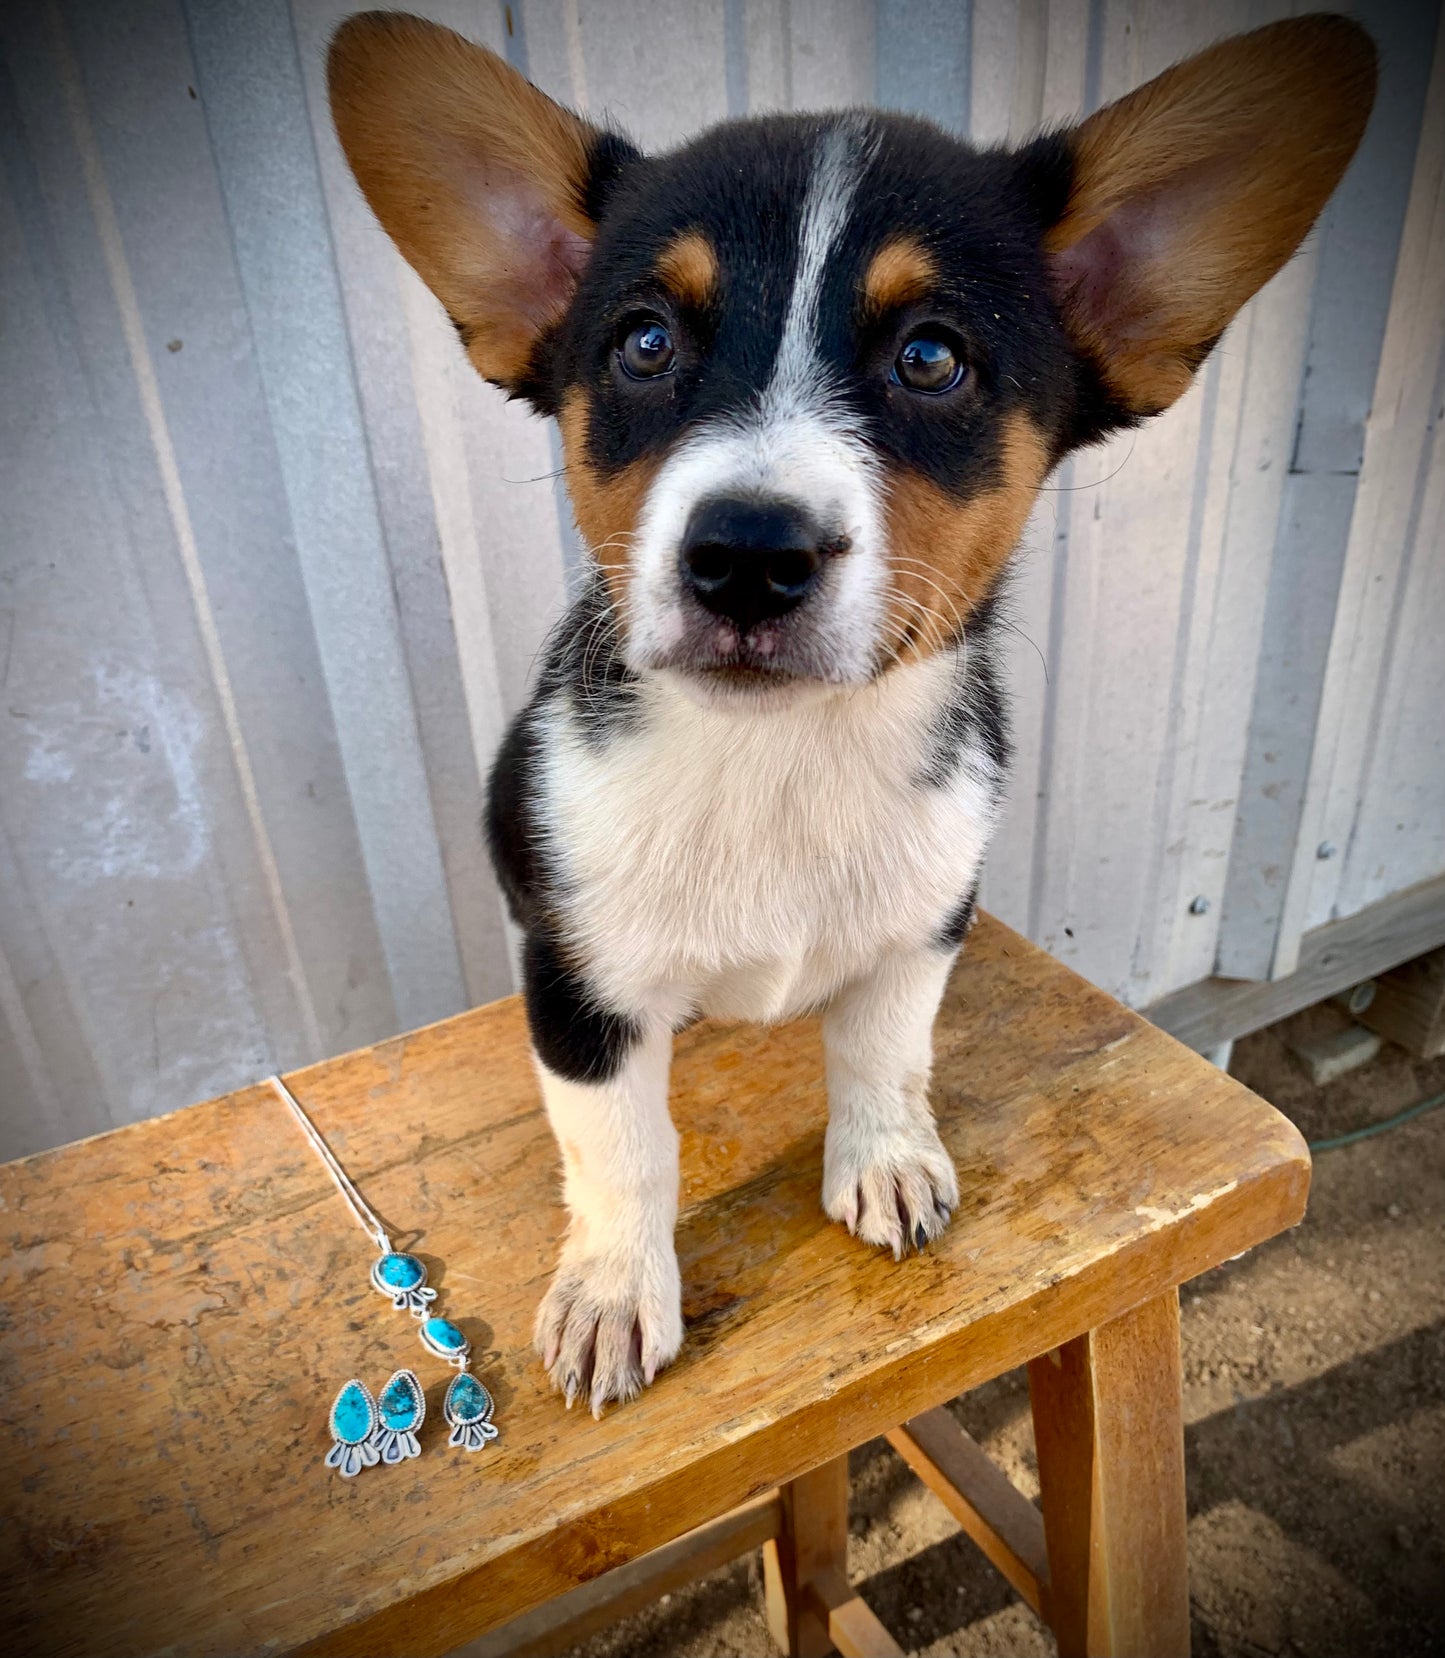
(999, 1518)
(1332, 958)
(805, 1567)
(854, 1629)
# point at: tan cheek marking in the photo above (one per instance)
(607, 508)
(945, 555)
(900, 273)
(689, 267)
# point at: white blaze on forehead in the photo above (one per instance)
(843, 155)
(795, 442)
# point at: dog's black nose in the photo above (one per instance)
(750, 560)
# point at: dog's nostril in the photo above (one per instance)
(709, 565)
(789, 573)
(750, 560)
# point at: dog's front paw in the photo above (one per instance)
(609, 1323)
(894, 1187)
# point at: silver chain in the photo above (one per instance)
(359, 1206)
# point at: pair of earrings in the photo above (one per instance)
(366, 1431)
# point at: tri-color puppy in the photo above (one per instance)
(810, 373)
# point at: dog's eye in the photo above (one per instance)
(928, 364)
(647, 351)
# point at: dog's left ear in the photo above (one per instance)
(488, 188)
(1189, 193)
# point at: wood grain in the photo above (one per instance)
(186, 1295)
(855, 1631)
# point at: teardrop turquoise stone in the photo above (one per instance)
(351, 1414)
(398, 1404)
(400, 1272)
(467, 1400)
(444, 1336)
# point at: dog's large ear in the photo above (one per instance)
(485, 185)
(1189, 193)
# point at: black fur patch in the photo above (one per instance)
(513, 835)
(583, 668)
(585, 665)
(612, 154)
(976, 715)
(955, 928)
(573, 1036)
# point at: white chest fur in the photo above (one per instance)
(747, 864)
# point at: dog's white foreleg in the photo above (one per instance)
(886, 1174)
(612, 1317)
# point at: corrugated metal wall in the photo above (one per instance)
(276, 565)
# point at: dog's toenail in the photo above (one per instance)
(920, 1236)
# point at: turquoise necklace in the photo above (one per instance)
(359, 1424)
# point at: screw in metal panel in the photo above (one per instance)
(1326, 849)
(1200, 906)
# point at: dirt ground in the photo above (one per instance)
(1314, 1404)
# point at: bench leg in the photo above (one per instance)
(805, 1565)
(1109, 1430)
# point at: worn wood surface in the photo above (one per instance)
(185, 1296)
(989, 1507)
(1110, 1436)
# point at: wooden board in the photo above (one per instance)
(1331, 959)
(188, 1293)
(984, 1501)
(559, 1625)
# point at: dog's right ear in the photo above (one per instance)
(487, 187)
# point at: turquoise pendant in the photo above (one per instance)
(468, 1407)
(402, 1278)
(353, 1423)
(441, 1336)
(401, 1410)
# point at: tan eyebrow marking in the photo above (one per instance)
(689, 267)
(901, 271)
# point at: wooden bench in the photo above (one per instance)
(185, 1296)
